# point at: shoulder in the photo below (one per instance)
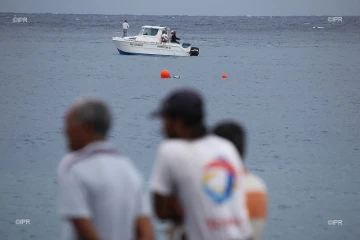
(180, 144)
(130, 167)
(70, 160)
(80, 164)
(223, 143)
(171, 150)
(220, 140)
(70, 166)
(129, 172)
(172, 145)
(64, 163)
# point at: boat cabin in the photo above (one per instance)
(151, 33)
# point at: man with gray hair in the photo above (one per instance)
(101, 192)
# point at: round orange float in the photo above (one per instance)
(165, 74)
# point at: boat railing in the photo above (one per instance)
(118, 34)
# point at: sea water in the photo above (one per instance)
(293, 82)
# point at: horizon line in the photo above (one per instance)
(127, 14)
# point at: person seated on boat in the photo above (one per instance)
(174, 37)
(164, 36)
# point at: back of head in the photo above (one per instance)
(233, 132)
(185, 107)
(184, 103)
(95, 114)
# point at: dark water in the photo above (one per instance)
(296, 88)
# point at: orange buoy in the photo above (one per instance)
(224, 75)
(165, 74)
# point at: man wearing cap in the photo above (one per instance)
(101, 192)
(197, 177)
(174, 38)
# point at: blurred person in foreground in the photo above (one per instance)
(256, 191)
(101, 192)
(196, 179)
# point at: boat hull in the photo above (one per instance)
(144, 48)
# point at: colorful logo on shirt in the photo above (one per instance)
(219, 180)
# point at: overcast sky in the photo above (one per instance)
(188, 7)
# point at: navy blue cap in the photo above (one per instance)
(184, 103)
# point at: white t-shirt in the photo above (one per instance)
(206, 176)
(164, 37)
(125, 25)
(99, 183)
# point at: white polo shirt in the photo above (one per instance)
(206, 175)
(125, 25)
(98, 182)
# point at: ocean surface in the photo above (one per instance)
(293, 82)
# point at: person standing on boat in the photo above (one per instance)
(164, 36)
(174, 38)
(125, 28)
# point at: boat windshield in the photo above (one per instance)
(150, 31)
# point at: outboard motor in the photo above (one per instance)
(194, 51)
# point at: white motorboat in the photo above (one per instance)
(149, 42)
